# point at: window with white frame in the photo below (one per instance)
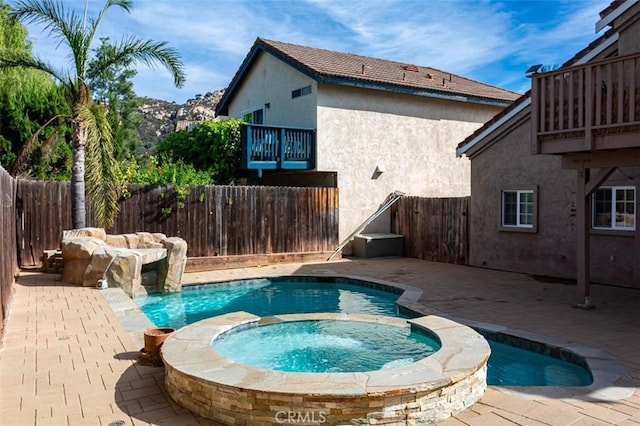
(614, 207)
(518, 208)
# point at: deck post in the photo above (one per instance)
(586, 186)
(582, 257)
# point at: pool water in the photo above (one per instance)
(328, 346)
(263, 298)
(508, 365)
(512, 366)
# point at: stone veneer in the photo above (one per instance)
(431, 389)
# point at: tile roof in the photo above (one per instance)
(322, 62)
(328, 66)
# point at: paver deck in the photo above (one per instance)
(67, 358)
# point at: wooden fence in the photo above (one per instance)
(214, 220)
(233, 220)
(8, 249)
(435, 229)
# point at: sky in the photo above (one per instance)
(486, 40)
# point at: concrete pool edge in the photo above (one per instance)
(612, 382)
(431, 389)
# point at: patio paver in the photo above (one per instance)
(66, 358)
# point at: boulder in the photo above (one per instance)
(158, 237)
(117, 241)
(144, 237)
(171, 269)
(76, 253)
(149, 244)
(100, 261)
(99, 233)
(125, 272)
(132, 240)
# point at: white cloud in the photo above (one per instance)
(490, 41)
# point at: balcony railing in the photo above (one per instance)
(588, 107)
(271, 147)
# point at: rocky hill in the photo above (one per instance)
(160, 118)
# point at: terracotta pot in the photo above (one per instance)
(154, 338)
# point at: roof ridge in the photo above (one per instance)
(427, 68)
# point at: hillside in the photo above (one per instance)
(160, 118)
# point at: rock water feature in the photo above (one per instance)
(139, 263)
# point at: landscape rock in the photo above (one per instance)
(100, 261)
(77, 253)
(117, 241)
(125, 272)
(170, 272)
(99, 233)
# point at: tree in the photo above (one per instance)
(212, 145)
(92, 136)
(111, 85)
(28, 99)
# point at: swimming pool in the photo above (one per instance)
(263, 297)
(508, 364)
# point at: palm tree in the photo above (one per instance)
(92, 137)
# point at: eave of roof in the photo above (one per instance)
(461, 89)
(612, 12)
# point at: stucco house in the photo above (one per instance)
(368, 126)
(555, 177)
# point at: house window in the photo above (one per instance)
(614, 208)
(254, 117)
(518, 209)
(300, 92)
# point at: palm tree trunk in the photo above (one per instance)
(78, 209)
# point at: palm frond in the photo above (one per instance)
(35, 63)
(102, 187)
(65, 26)
(20, 162)
(151, 53)
(90, 32)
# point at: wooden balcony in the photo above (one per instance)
(587, 108)
(273, 148)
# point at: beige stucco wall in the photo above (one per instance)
(272, 81)
(629, 27)
(508, 164)
(412, 138)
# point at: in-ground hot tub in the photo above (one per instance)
(430, 389)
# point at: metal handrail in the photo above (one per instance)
(390, 200)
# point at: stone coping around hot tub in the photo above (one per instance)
(463, 352)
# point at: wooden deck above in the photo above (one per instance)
(585, 108)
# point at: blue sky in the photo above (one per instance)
(489, 41)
